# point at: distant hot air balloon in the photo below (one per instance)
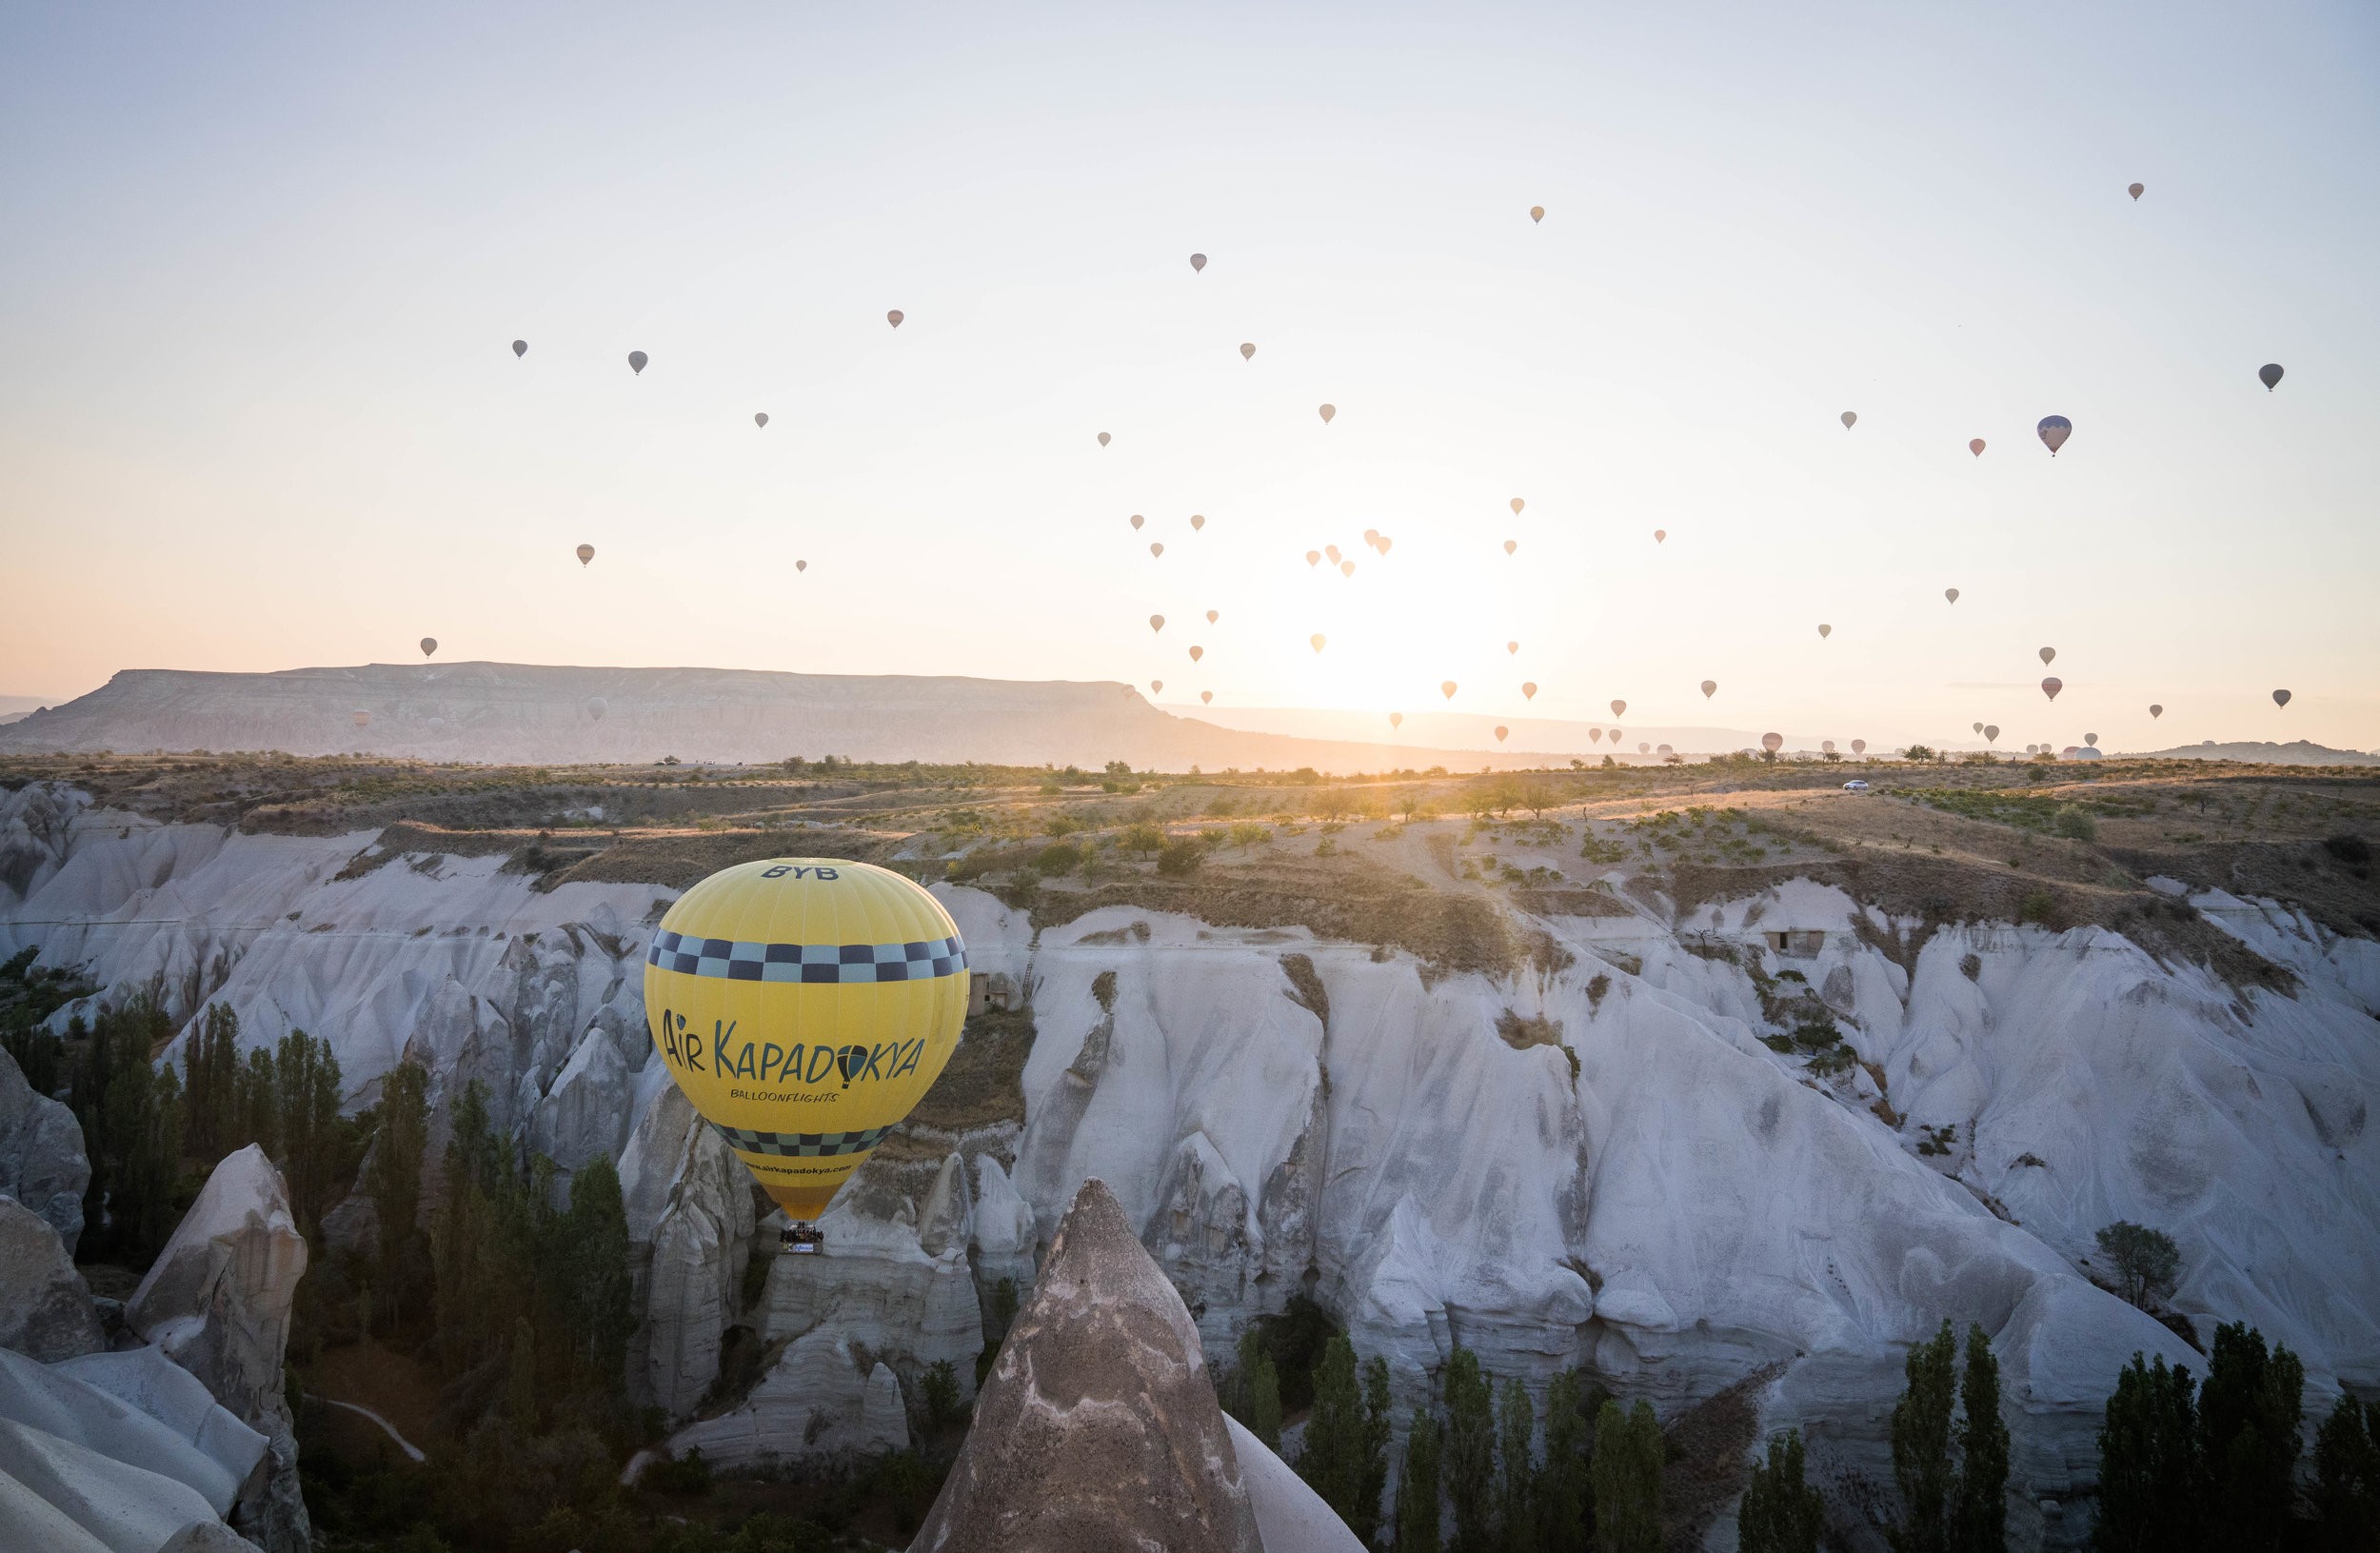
(1197, 653)
(1659, 535)
(1137, 521)
(2055, 429)
(1313, 556)
(363, 720)
(895, 317)
(1951, 593)
(1157, 547)
(1619, 709)
(1371, 537)
(520, 347)
(1643, 748)
(1331, 550)
(1850, 418)
(1383, 545)
(1536, 212)
(1198, 262)
(2135, 191)
(1975, 447)
(1529, 690)
(1346, 568)
(1825, 632)
(1318, 639)
(1511, 647)
(1198, 520)
(1517, 505)
(586, 554)
(2270, 375)
(1105, 439)
(1500, 731)
(2091, 739)
(429, 644)
(1991, 733)
(1156, 687)
(1664, 749)
(1860, 747)
(1328, 412)
(2156, 710)
(2280, 698)
(635, 361)
(801, 565)
(1206, 697)
(1247, 350)
(1211, 616)
(1396, 720)
(1594, 736)
(1157, 623)
(2047, 654)
(597, 706)
(2051, 685)
(1446, 689)
(1772, 741)
(1511, 545)
(1710, 689)
(761, 419)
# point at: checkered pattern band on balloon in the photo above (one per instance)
(801, 1144)
(738, 961)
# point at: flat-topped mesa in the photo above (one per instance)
(1098, 1427)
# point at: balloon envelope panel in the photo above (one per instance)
(804, 1005)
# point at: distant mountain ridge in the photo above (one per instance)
(2301, 752)
(506, 714)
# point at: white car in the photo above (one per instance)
(1856, 785)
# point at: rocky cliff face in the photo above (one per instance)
(1592, 1159)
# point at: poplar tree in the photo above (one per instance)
(1780, 1513)
(1469, 1454)
(1627, 1474)
(1416, 1489)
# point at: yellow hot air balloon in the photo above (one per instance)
(1347, 568)
(804, 1005)
(1312, 556)
(1447, 689)
(1317, 639)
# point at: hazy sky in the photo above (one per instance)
(263, 268)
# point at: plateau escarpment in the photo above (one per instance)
(1708, 1093)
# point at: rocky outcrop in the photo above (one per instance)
(820, 1400)
(60, 1403)
(690, 1221)
(144, 1380)
(42, 1162)
(46, 1310)
(217, 1302)
(123, 1507)
(1098, 1427)
(1290, 1517)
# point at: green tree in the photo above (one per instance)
(132, 1116)
(2144, 1261)
(1332, 1461)
(941, 1386)
(314, 1140)
(1416, 1488)
(1372, 1476)
(1780, 1513)
(1563, 1488)
(2149, 1491)
(2346, 1480)
(2250, 1412)
(1516, 1498)
(257, 1103)
(1921, 1445)
(392, 1178)
(597, 1293)
(1627, 1475)
(1978, 1521)
(1470, 1453)
(521, 1376)
(211, 1066)
(1256, 1390)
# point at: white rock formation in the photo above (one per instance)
(57, 1401)
(146, 1379)
(28, 1521)
(42, 1162)
(46, 1308)
(125, 1508)
(217, 1300)
(690, 1222)
(816, 1400)
(1290, 1517)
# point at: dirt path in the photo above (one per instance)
(404, 1444)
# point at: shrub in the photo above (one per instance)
(2144, 1261)
(2347, 848)
(2039, 907)
(1179, 859)
(2072, 821)
(1058, 858)
(1141, 837)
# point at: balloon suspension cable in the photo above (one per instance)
(800, 1238)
